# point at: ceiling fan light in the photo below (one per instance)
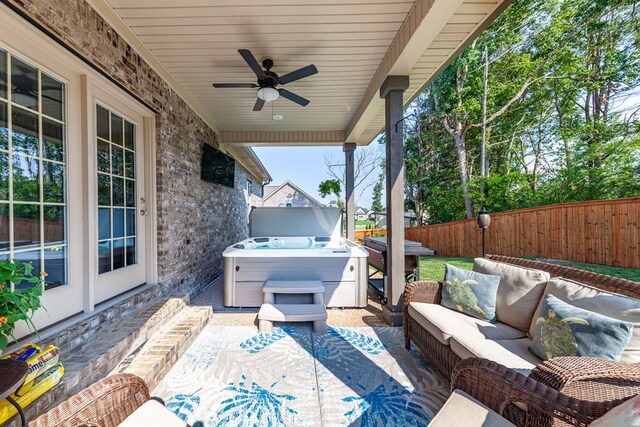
(268, 94)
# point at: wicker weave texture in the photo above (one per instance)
(105, 403)
(498, 386)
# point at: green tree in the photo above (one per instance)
(330, 186)
(376, 202)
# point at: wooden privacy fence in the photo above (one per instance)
(598, 232)
(373, 232)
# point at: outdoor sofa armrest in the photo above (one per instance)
(426, 291)
(590, 378)
(105, 403)
(497, 386)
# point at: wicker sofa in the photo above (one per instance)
(585, 387)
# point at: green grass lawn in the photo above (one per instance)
(362, 225)
(432, 268)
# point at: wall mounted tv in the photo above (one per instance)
(217, 167)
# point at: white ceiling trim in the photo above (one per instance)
(114, 20)
(282, 138)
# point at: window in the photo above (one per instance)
(289, 201)
(249, 187)
(33, 202)
(116, 178)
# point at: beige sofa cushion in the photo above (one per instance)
(606, 303)
(443, 323)
(513, 354)
(153, 413)
(462, 410)
(519, 292)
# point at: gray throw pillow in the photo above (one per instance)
(470, 292)
(565, 330)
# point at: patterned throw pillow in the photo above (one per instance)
(470, 292)
(565, 330)
(627, 414)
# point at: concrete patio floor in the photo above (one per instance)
(371, 315)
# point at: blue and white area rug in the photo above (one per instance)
(233, 376)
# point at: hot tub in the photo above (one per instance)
(339, 263)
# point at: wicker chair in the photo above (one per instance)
(595, 385)
(105, 403)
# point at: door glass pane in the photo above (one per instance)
(4, 130)
(104, 257)
(131, 193)
(55, 261)
(3, 73)
(129, 164)
(118, 254)
(4, 176)
(5, 245)
(32, 257)
(26, 182)
(118, 223)
(117, 191)
(115, 139)
(117, 161)
(24, 132)
(131, 251)
(104, 190)
(52, 95)
(26, 225)
(24, 84)
(52, 140)
(131, 222)
(104, 223)
(53, 182)
(104, 158)
(32, 197)
(54, 224)
(102, 122)
(129, 137)
(116, 129)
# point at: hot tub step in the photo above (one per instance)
(293, 287)
(270, 313)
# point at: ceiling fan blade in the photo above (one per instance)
(253, 62)
(293, 97)
(224, 85)
(303, 72)
(258, 105)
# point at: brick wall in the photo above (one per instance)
(196, 219)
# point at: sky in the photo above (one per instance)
(305, 167)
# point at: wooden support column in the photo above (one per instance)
(350, 202)
(391, 90)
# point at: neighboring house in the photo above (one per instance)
(361, 214)
(288, 195)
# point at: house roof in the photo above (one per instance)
(273, 189)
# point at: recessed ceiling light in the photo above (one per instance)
(278, 117)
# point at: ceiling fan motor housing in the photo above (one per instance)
(271, 79)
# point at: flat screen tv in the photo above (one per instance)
(217, 167)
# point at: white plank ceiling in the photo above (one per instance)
(197, 41)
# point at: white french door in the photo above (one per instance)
(76, 176)
(120, 204)
(39, 192)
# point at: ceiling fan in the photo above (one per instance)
(268, 81)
